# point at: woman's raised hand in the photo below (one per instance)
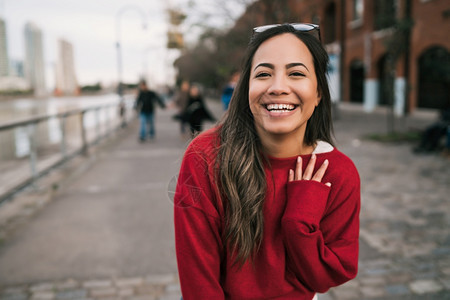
(308, 174)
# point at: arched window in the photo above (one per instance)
(434, 78)
(356, 81)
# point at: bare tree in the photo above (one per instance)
(397, 45)
(220, 46)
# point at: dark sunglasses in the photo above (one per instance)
(303, 27)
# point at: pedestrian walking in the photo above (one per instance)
(265, 206)
(145, 105)
(196, 111)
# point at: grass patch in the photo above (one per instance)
(395, 137)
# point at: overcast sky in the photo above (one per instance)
(90, 25)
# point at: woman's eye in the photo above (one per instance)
(262, 74)
(297, 74)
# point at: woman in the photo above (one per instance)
(265, 206)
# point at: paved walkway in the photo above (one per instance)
(109, 235)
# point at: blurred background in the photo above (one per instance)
(69, 72)
(382, 53)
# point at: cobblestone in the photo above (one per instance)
(124, 282)
(445, 282)
(42, 287)
(125, 292)
(103, 292)
(372, 291)
(14, 296)
(70, 294)
(398, 289)
(65, 285)
(425, 286)
(46, 295)
(97, 284)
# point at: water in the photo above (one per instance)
(15, 143)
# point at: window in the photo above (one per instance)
(385, 14)
(330, 25)
(358, 9)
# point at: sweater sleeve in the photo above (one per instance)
(197, 230)
(321, 231)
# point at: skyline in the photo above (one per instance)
(91, 28)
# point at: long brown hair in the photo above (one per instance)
(240, 158)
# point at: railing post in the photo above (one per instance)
(33, 149)
(84, 144)
(122, 113)
(97, 125)
(63, 136)
(108, 119)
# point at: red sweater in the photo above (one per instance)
(311, 231)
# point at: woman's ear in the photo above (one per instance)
(319, 97)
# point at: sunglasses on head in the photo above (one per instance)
(303, 27)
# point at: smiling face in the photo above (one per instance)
(283, 87)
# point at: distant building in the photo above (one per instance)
(4, 62)
(13, 84)
(66, 81)
(11, 72)
(16, 68)
(34, 59)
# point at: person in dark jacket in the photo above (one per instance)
(145, 105)
(432, 135)
(196, 111)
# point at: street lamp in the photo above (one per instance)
(145, 54)
(118, 36)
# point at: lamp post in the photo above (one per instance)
(118, 45)
(145, 53)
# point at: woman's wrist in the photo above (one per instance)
(306, 201)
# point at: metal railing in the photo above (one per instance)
(90, 135)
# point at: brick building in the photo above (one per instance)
(382, 52)
(390, 50)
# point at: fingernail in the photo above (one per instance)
(299, 159)
(313, 155)
(326, 161)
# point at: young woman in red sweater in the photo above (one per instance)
(265, 206)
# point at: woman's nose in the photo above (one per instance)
(279, 85)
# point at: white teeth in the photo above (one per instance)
(280, 106)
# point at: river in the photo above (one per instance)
(14, 143)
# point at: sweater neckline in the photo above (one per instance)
(321, 147)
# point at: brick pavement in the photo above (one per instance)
(405, 216)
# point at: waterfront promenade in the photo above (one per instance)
(105, 229)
